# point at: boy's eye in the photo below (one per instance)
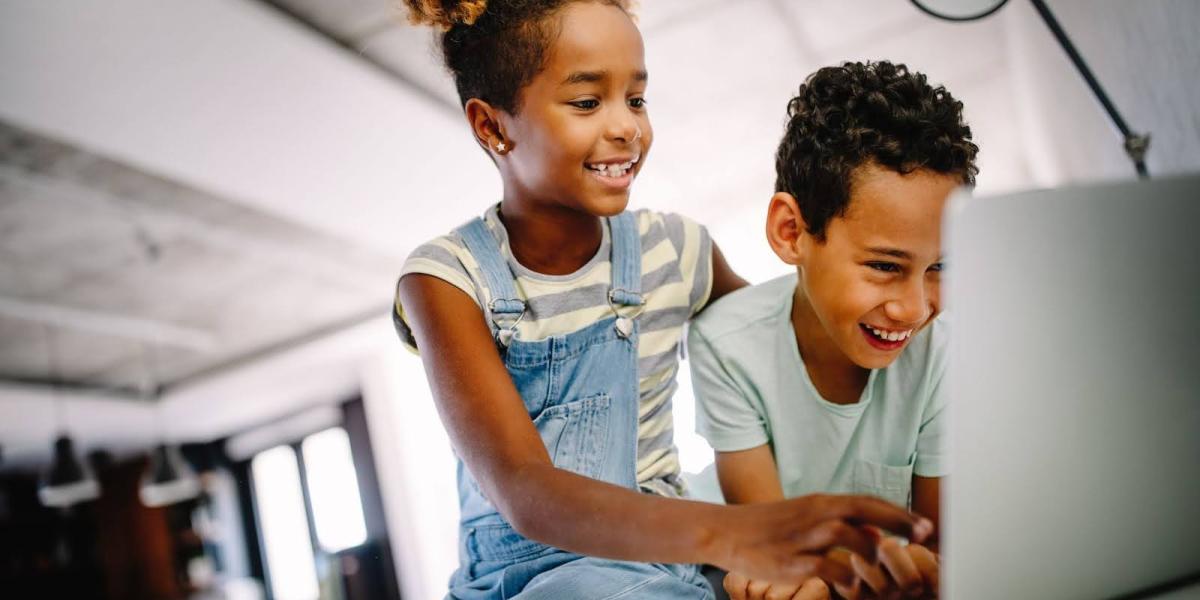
(637, 102)
(588, 104)
(885, 267)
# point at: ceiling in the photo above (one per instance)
(117, 280)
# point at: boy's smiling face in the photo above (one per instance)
(874, 280)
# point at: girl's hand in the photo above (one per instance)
(789, 541)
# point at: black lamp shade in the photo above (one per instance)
(68, 481)
(168, 479)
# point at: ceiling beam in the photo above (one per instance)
(282, 8)
(111, 324)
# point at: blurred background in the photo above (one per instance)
(204, 206)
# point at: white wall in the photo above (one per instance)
(415, 463)
(1145, 54)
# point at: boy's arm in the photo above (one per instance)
(749, 476)
(927, 502)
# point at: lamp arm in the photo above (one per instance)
(1136, 144)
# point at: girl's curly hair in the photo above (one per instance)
(494, 48)
(860, 113)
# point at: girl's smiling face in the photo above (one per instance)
(581, 132)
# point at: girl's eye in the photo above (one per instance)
(637, 102)
(586, 104)
(937, 267)
(885, 267)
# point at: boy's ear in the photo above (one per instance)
(485, 124)
(786, 228)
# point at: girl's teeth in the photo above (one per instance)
(613, 170)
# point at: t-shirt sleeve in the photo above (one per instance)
(441, 258)
(725, 413)
(694, 247)
(933, 456)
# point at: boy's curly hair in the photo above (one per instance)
(860, 113)
(494, 48)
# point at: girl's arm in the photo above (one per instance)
(724, 279)
(492, 433)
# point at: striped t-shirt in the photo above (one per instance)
(676, 282)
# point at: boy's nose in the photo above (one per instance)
(913, 307)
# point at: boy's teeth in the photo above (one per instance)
(891, 336)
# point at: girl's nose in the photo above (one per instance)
(625, 128)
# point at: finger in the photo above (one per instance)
(874, 511)
(900, 566)
(757, 590)
(870, 573)
(837, 533)
(735, 586)
(848, 591)
(782, 591)
(813, 589)
(927, 565)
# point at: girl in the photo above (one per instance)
(549, 331)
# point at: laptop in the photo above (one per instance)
(1075, 393)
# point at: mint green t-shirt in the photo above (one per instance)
(752, 389)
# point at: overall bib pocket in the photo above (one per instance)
(891, 483)
(576, 434)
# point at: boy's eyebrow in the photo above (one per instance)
(595, 76)
(895, 252)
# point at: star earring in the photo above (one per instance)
(501, 148)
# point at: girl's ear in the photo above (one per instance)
(786, 228)
(485, 124)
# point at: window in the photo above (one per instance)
(333, 490)
(309, 509)
(279, 502)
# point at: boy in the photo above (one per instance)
(828, 380)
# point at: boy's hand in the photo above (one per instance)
(902, 572)
(739, 587)
(788, 541)
(912, 569)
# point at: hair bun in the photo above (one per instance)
(445, 13)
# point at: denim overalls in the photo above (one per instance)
(581, 391)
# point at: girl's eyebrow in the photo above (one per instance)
(599, 76)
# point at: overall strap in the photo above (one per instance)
(626, 261)
(506, 306)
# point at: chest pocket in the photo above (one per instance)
(892, 483)
(576, 434)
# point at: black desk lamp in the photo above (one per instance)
(1136, 144)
